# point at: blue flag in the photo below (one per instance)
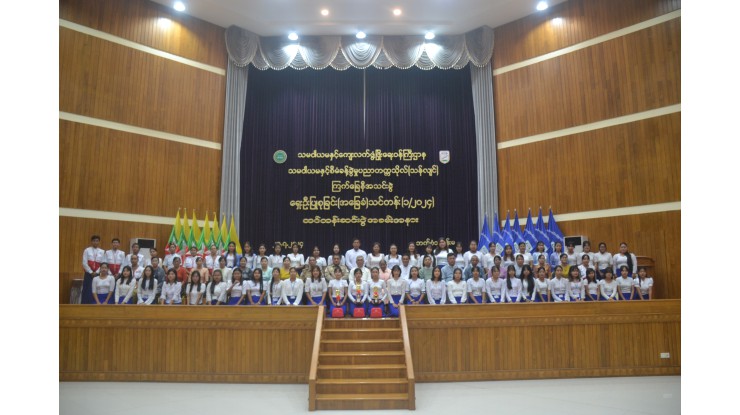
(508, 237)
(497, 238)
(530, 238)
(516, 232)
(485, 236)
(540, 231)
(554, 231)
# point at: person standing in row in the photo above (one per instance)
(541, 287)
(92, 258)
(169, 259)
(575, 285)
(316, 287)
(396, 290)
(292, 288)
(375, 256)
(351, 255)
(115, 257)
(608, 287)
(103, 286)
(275, 292)
(625, 258)
(513, 286)
(559, 285)
(591, 286)
(135, 251)
(602, 261)
(296, 258)
(238, 289)
(357, 291)
(414, 258)
(527, 284)
(393, 259)
(441, 252)
(336, 250)
(376, 292)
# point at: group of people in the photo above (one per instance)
(356, 279)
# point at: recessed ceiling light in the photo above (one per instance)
(179, 6)
(541, 5)
(360, 35)
(397, 12)
(293, 36)
(324, 12)
(429, 36)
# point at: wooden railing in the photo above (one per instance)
(409, 361)
(315, 359)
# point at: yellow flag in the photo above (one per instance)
(178, 224)
(216, 230)
(196, 228)
(233, 236)
(207, 231)
(224, 233)
(186, 226)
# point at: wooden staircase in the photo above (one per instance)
(361, 364)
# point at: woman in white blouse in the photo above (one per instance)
(316, 287)
(396, 289)
(643, 285)
(436, 288)
(527, 284)
(171, 289)
(415, 288)
(513, 290)
(216, 289)
(275, 291)
(237, 290)
(195, 291)
(125, 286)
(625, 258)
(476, 287)
(103, 286)
(147, 286)
(608, 287)
(414, 257)
(375, 256)
(459, 255)
(296, 258)
(626, 284)
(337, 291)
(336, 250)
(591, 286)
(440, 253)
(392, 259)
(495, 286)
(256, 289)
(357, 293)
(541, 287)
(602, 261)
(558, 286)
(376, 292)
(575, 285)
(457, 289)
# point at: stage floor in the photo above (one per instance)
(587, 396)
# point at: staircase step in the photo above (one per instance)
(361, 371)
(362, 401)
(352, 333)
(362, 385)
(360, 358)
(361, 323)
(361, 345)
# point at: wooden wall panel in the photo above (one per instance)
(654, 235)
(137, 20)
(534, 341)
(103, 169)
(582, 20)
(74, 237)
(626, 165)
(630, 74)
(185, 343)
(105, 80)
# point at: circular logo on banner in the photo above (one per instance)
(279, 157)
(444, 156)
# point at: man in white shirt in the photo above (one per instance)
(136, 269)
(168, 259)
(473, 252)
(92, 257)
(152, 254)
(405, 266)
(351, 256)
(528, 259)
(134, 251)
(115, 257)
(361, 266)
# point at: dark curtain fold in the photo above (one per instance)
(327, 110)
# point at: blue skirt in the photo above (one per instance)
(291, 300)
(527, 297)
(560, 296)
(214, 302)
(644, 297)
(234, 300)
(497, 299)
(144, 299)
(459, 300)
(256, 298)
(414, 298)
(352, 307)
(101, 298)
(274, 300)
(437, 301)
(545, 298)
(477, 297)
(627, 296)
(120, 300)
(317, 300)
(589, 298)
(393, 311)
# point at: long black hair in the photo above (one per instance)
(130, 274)
(190, 283)
(262, 288)
(212, 284)
(630, 265)
(144, 279)
(508, 276)
(530, 278)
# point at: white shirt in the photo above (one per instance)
(396, 286)
(620, 260)
(528, 258)
(189, 261)
(226, 274)
(171, 292)
(102, 286)
(602, 261)
(405, 271)
(460, 260)
(559, 287)
(292, 289)
(457, 289)
(378, 288)
(137, 272)
(625, 284)
(275, 291)
(590, 257)
(195, 293)
(495, 288)
(471, 254)
(415, 288)
(541, 286)
(275, 261)
(644, 285)
(124, 289)
(320, 262)
(608, 290)
(415, 261)
(146, 295)
(374, 261)
(337, 287)
(592, 287)
(572, 259)
(330, 260)
(351, 257)
(116, 257)
(128, 260)
(231, 260)
(94, 255)
(253, 288)
(436, 292)
(476, 288)
(219, 292)
(441, 256)
(357, 291)
(169, 258)
(583, 270)
(296, 260)
(237, 289)
(212, 262)
(365, 274)
(487, 261)
(390, 262)
(316, 288)
(513, 295)
(576, 289)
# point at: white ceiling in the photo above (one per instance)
(279, 17)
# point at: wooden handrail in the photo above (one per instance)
(409, 362)
(315, 360)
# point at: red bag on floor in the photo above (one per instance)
(359, 312)
(376, 312)
(337, 313)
